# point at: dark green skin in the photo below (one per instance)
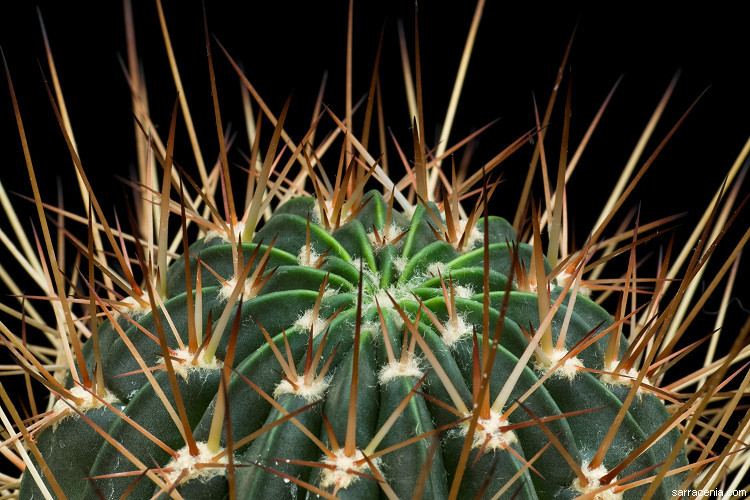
(290, 292)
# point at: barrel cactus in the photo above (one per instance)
(381, 330)
(353, 341)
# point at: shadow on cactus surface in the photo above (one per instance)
(342, 313)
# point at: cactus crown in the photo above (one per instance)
(349, 332)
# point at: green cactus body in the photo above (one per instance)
(418, 269)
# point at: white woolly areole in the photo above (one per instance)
(400, 264)
(628, 378)
(569, 368)
(594, 476)
(88, 402)
(392, 232)
(185, 461)
(490, 431)
(182, 363)
(454, 331)
(310, 392)
(409, 368)
(226, 290)
(475, 236)
(307, 257)
(382, 295)
(133, 308)
(436, 268)
(398, 291)
(315, 214)
(463, 292)
(306, 321)
(565, 276)
(339, 476)
(238, 228)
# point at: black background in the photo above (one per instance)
(285, 47)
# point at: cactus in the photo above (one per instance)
(362, 335)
